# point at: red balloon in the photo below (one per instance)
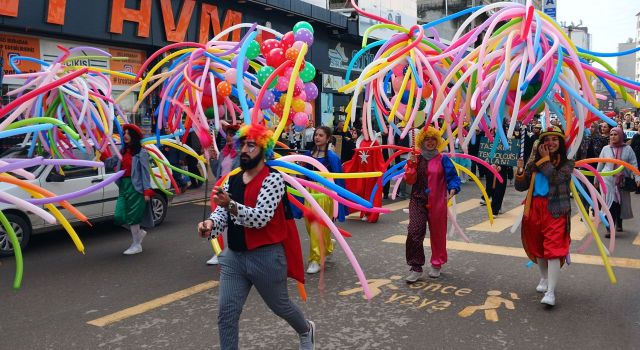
(207, 101)
(278, 108)
(287, 40)
(276, 57)
(427, 90)
(268, 45)
(291, 54)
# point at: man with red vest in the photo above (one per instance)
(259, 252)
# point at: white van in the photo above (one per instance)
(97, 206)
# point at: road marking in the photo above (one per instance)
(500, 223)
(460, 208)
(152, 304)
(519, 252)
(391, 206)
(637, 240)
(579, 229)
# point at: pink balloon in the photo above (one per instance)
(282, 84)
(298, 45)
(396, 82)
(398, 70)
(302, 95)
(230, 76)
(300, 119)
(308, 109)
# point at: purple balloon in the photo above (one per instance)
(304, 35)
(267, 100)
(234, 63)
(311, 90)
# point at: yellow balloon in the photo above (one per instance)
(298, 105)
(480, 186)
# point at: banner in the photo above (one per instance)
(17, 45)
(502, 156)
(134, 62)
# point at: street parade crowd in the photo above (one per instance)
(426, 118)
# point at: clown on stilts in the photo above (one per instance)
(434, 181)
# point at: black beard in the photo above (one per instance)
(248, 164)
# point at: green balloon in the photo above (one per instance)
(263, 75)
(209, 113)
(253, 50)
(423, 104)
(308, 72)
(531, 91)
(303, 24)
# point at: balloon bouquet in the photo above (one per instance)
(267, 83)
(525, 65)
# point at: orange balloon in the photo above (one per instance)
(224, 89)
(427, 90)
(292, 54)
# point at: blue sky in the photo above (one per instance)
(609, 22)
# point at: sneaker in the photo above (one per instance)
(308, 339)
(134, 249)
(542, 286)
(434, 272)
(313, 267)
(413, 276)
(213, 260)
(482, 202)
(549, 299)
(364, 218)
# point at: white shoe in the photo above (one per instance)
(213, 260)
(549, 299)
(364, 218)
(314, 267)
(542, 286)
(413, 276)
(134, 249)
(433, 272)
(482, 202)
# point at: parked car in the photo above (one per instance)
(97, 206)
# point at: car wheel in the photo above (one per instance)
(22, 229)
(158, 209)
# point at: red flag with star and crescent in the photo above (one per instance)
(366, 161)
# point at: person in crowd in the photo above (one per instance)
(192, 162)
(474, 150)
(434, 181)
(530, 139)
(331, 161)
(308, 137)
(228, 159)
(635, 146)
(263, 244)
(618, 199)
(177, 159)
(547, 212)
(134, 187)
(602, 140)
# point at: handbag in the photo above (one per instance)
(629, 184)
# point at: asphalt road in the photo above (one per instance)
(169, 295)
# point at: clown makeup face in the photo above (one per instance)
(250, 154)
(429, 144)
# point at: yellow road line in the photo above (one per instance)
(500, 223)
(152, 304)
(579, 229)
(462, 207)
(637, 240)
(519, 252)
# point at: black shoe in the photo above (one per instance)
(619, 228)
(607, 235)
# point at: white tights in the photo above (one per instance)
(550, 271)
